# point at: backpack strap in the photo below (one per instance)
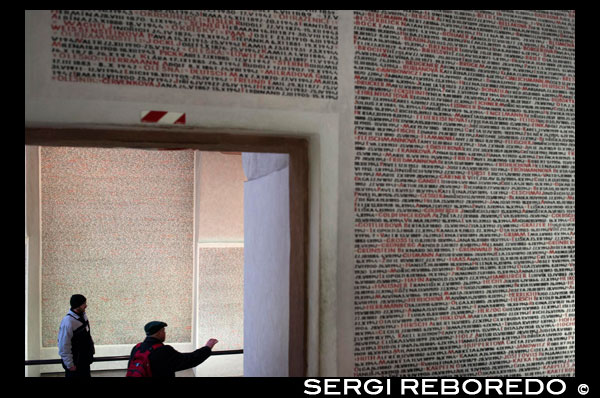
(153, 347)
(80, 319)
(85, 324)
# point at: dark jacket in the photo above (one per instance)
(82, 344)
(165, 360)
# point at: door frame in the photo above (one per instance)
(231, 140)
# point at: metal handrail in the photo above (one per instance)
(115, 358)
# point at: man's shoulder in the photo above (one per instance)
(68, 319)
(164, 348)
(74, 317)
(158, 345)
(164, 351)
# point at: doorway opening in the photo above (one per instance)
(211, 141)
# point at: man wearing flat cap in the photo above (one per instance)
(75, 344)
(164, 359)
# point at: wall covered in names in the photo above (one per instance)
(455, 130)
(117, 227)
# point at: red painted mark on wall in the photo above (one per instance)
(163, 117)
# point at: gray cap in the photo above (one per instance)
(153, 327)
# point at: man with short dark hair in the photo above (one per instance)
(75, 344)
(164, 360)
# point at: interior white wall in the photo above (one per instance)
(266, 275)
(221, 366)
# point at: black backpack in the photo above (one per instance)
(139, 364)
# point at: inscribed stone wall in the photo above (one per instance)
(287, 52)
(220, 198)
(463, 134)
(221, 296)
(117, 227)
(220, 249)
(464, 193)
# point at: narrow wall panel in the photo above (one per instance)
(221, 296)
(266, 264)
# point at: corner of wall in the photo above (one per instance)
(32, 259)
